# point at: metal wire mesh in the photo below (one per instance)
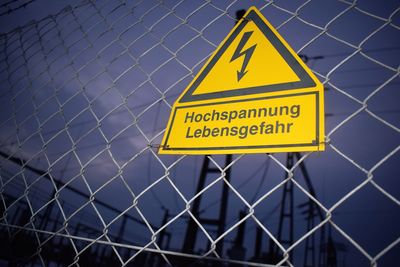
(86, 94)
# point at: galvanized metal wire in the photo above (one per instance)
(66, 76)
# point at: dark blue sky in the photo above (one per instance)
(82, 103)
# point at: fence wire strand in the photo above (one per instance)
(69, 98)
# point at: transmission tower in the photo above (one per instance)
(286, 216)
(192, 229)
(286, 222)
(191, 232)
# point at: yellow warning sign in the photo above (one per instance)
(254, 95)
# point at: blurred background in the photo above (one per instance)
(85, 94)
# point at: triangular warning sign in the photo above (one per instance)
(254, 95)
(252, 59)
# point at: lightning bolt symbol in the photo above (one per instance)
(247, 54)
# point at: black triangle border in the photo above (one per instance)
(305, 80)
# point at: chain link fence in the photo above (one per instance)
(85, 98)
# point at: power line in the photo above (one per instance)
(12, 9)
(394, 111)
(23, 163)
(365, 51)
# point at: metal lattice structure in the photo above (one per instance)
(86, 94)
